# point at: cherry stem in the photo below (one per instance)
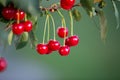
(25, 17)
(18, 17)
(63, 25)
(71, 23)
(53, 26)
(48, 28)
(45, 29)
(63, 19)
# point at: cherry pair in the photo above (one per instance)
(3, 64)
(11, 13)
(53, 45)
(67, 4)
(19, 28)
(70, 41)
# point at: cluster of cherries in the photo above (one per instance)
(11, 13)
(54, 45)
(62, 32)
(18, 27)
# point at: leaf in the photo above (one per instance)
(116, 14)
(22, 41)
(87, 5)
(103, 25)
(29, 6)
(3, 2)
(76, 14)
(10, 37)
(33, 39)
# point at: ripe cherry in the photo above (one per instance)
(8, 12)
(42, 48)
(20, 14)
(54, 45)
(64, 50)
(3, 64)
(62, 32)
(27, 26)
(67, 4)
(72, 41)
(17, 28)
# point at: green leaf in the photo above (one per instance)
(29, 6)
(10, 37)
(87, 5)
(3, 2)
(103, 25)
(33, 39)
(76, 14)
(22, 41)
(116, 14)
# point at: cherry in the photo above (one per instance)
(8, 12)
(49, 51)
(17, 28)
(3, 64)
(72, 41)
(64, 50)
(62, 32)
(19, 13)
(42, 48)
(27, 26)
(54, 45)
(67, 4)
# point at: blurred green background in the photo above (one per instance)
(90, 60)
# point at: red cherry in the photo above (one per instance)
(3, 64)
(54, 45)
(42, 48)
(27, 26)
(72, 41)
(49, 51)
(62, 32)
(17, 28)
(67, 4)
(8, 12)
(64, 50)
(21, 15)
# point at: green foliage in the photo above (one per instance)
(21, 41)
(76, 14)
(88, 5)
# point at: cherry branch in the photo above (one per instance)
(55, 7)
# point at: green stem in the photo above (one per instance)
(48, 29)
(25, 17)
(71, 23)
(63, 20)
(45, 29)
(53, 25)
(63, 25)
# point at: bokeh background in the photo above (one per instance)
(90, 60)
